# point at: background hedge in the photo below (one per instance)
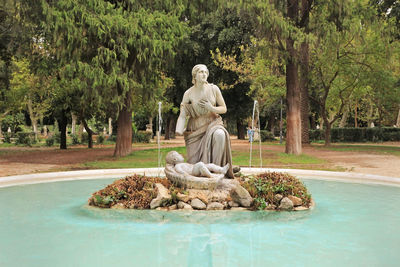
(376, 134)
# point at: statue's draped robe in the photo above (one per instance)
(199, 132)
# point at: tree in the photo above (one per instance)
(112, 50)
(350, 54)
(283, 25)
(30, 92)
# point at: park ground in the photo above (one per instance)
(371, 158)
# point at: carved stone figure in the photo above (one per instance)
(206, 138)
(199, 169)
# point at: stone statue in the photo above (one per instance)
(206, 138)
(199, 169)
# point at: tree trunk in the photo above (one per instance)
(74, 119)
(80, 131)
(123, 145)
(398, 118)
(304, 98)
(89, 132)
(167, 127)
(355, 115)
(172, 126)
(35, 127)
(327, 133)
(110, 129)
(293, 131)
(62, 124)
(241, 133)
(33, 118)
(343, 120)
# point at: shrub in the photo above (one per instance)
(24, 139)
(351, 134)
(100, 139)
(112, 138)
(141, 137)
(75, 139)
(50, 141)
(57, 137)
(266, 136)
(7, 138)
(84, 138)
(265, 186)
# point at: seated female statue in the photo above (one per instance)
(205, 136)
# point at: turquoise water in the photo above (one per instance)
(51, 225)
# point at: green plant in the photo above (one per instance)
(75, 139)
(49, 141)
(100, 139)
(57, 137)
(7, 138)
(141, 137)
(265, 186)
(24, 139)
(84, 138)
(104, 201)
(266, 136)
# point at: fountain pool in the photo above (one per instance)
(49, 224)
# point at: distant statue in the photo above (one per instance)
(199, 169)
(206, 138)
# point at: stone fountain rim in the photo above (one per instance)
(349, 177)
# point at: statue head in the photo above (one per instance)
(199, 68)
(174, 157)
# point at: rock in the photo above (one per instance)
(183, 197)
(184, 206)
(286, 204)
(278, 198)
(118, 206)
(200, 194)
(162, 196)
(217, 195)
(238, 209)
(173, 207)
(233, 204)
(270, 207)
(236, 169)
(198, 204)
(241, 196)
(162, 208)
(300, 208)
(215, 206)
(296, 200)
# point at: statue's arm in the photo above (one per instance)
(180, 124)
(221, 107)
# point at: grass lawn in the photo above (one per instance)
(148, 159)
(137, 159)
(370, 148)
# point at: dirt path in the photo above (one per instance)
(21, 160)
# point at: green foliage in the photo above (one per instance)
(14, 121)
(264, 187)
(75, 139)
(142, 137)
(7, 138)
(362, 134)
(266, 136)
(84, 138)
(25, 138)
(57, 137)
(100, 139)
(50, 141)
(134, 192)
